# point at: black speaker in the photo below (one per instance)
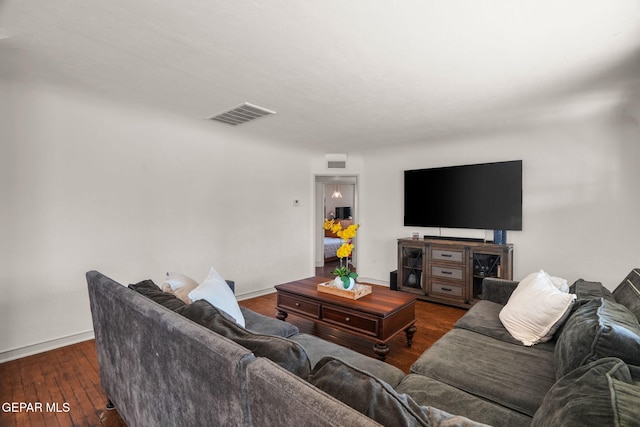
(393, 280)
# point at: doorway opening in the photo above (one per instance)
(335, 198)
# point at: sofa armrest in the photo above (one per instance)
(497, 290)
(232, 285)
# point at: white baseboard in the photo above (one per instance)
(29, 350)
(373, 281)
(254, 294)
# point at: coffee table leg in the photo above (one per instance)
(409, 332)
(381, 350)
(282, 315)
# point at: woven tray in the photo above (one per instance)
(357, 292)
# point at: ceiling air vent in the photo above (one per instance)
(241, 114)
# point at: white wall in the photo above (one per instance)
(86, 184)
(91, 185)
(580, 190)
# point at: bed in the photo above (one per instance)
(333, 242)
(331, 245)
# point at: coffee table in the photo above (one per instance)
(378, 316)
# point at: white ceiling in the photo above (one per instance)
(342, 75)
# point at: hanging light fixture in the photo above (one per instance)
(336, 194)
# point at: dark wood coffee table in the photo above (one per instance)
(378, 316)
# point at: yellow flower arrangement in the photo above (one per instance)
(345, 250)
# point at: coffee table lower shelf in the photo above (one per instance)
(378, 316)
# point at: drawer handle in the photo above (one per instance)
(346, 319)
(446, 255)
(447, 289)
(446, 272)
(297, 304)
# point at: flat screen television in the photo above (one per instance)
(482, 196)
(343, 212)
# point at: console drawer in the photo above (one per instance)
(448, 272)
(446, 255)
(301, 305)
(447, 289)
(350, 320)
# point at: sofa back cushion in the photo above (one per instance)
(600, 328)
(261, 324)
(284, 352)
(628, 292)
(601, 393)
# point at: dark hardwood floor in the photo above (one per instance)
(329, 267)
(69, 375)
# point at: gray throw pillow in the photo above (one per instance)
(154, 293)
(601, 393)
(598, 329)
(377, 399)
(286, 353)
(586, 291)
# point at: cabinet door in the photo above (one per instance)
(489, 263)
(411, 265)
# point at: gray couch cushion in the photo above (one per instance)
(628, 292)
(484, 319)
(514, 376)
(154, 293)
(429, 392)
(376, 399)
(284, 352)
(598, 329)
(262, 324)
(601, 393)
(318, 348)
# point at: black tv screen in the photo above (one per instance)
(343, 212)
(481, 196)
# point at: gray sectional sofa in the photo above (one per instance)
(166, 363)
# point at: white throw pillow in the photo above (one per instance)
(558, 282)
(536, 309)
(174, 281)
(217, 292)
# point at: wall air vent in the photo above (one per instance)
(336, 164)
(241, 114)
(336, 160)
